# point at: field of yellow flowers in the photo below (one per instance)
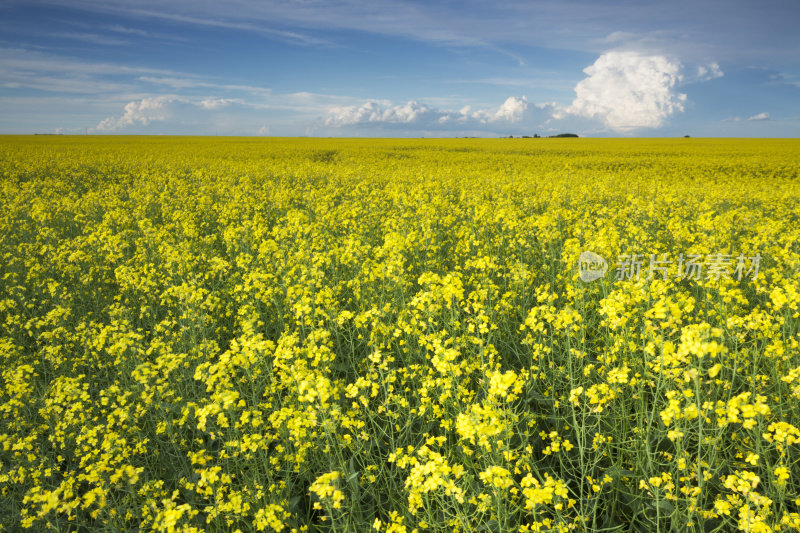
(292, 335)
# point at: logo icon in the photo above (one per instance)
(591, 266)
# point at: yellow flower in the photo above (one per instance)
(781, 474)
(497, 477)
(326, 489)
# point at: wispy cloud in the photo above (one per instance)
(93, 38)
(549, 81)
(29, 63)
(720, 29)
(32, 69)
(294, 37)
(760, 117)
(111, 34)
(193, 82)
(119, 28)
(709, 72)
(780, 77)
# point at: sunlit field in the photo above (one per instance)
(243, 334)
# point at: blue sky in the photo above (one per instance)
(401, 68)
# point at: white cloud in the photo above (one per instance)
(382, 112)
(375, 112)
(760, 117)
(141, 112)
(348, 115)
(512, 109)
(409, 112)
(628, 90)
(175, 110)
(118, 28)
(217, 103)
(709, 72)
(285, 113)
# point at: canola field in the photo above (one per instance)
(302, 335)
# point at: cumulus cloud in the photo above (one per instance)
(377, 112)
(760, 117)
(512, 109)
(222, 113)
(141, 112)
(628, 90)
(176, 110)
(381, 112)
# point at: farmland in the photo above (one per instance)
(297, 335)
